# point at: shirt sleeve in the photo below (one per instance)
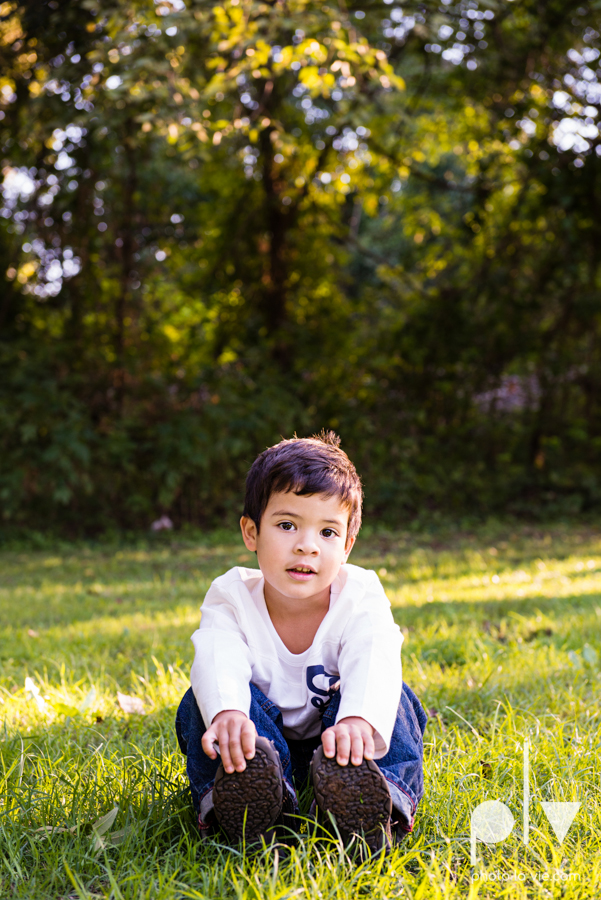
(221, 671)
(371, 679)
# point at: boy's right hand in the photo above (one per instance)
(235, 733)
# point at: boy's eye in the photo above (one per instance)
(328, 532)
(286, 526)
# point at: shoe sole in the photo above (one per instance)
(356, 796)
(248, 803)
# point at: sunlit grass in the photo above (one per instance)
(502, 642)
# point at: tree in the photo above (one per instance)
(226, 221)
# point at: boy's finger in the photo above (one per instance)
(236, 752)
(369, 747)
(328, 742)
(247, 737)
(224, 749)
(208, 739)
(357, 748)
(343, 747)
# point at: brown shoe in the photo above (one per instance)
(357, 797)
(248, 804)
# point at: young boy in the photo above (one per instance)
(297, 666)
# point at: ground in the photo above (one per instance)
(502, 644)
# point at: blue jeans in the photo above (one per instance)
(402, 766)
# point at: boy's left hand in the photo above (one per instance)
(351, 738)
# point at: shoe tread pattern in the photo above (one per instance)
(255, 795)
(357, 796)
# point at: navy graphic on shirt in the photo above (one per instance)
(330, 684)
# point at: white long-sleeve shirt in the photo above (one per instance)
(357, 645)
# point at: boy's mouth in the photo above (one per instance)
(301, 573)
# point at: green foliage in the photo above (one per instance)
(501, 642)
(224, 222)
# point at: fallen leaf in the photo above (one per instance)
(118, 836)
(55, 829)
(101, 826)
(34, 690)
(130, 704)
(32, 633)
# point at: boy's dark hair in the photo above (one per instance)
(314, 465)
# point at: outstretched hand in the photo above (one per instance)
(351, 738)
(236, 734)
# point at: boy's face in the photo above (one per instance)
(302, 543)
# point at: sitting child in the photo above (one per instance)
(297, 666)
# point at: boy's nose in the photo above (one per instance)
(306, 544)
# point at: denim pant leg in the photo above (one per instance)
(403, 764)
(201, 770)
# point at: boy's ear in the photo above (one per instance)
(249, 533)
(349, 546)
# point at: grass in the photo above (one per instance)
(503, 642)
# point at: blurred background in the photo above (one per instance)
(226, 222)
